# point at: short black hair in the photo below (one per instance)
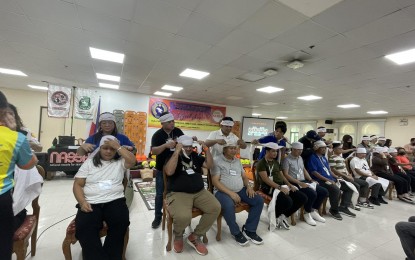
(320, 127)
(282, 125)
(227, 118)
(412, 139)
(3, 101)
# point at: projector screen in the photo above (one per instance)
(254, 127)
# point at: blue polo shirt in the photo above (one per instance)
(270, 138)
(320, 165)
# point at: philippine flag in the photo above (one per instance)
(95, 120)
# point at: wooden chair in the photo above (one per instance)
(28, 229)
(238, 208)
(166, 215)
(390, 188)
(267, 198)
(70, 239)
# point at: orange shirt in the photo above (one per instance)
(403, 159)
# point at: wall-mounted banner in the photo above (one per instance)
(59, 101)
(84, 103)
(192, 116)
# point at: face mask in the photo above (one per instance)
(402, 153)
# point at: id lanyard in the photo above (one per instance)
(270, 168)
(300, 170)
(324, 167)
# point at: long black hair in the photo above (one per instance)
(347, 145)
(96, 160)
(19, 121)
(100, 133)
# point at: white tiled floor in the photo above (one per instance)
(369, 236)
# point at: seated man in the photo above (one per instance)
(406, 233)
(381, 168)
(361, 170)
(338, 167)
(319, 168)
(186, 190)
(397, 169)
(295, 172)
(270, 177)
(232, 187)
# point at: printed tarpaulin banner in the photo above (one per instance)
(59, 101)
(192, 116)
(84, 103)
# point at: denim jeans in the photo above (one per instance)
(228, 210)
(159, 195)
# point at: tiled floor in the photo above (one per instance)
(369, 236)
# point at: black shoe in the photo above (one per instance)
(241, 239)
(374, 201)
(346, 211)
(156, 223)
(335, 214)
(381, 200)
(252, 236)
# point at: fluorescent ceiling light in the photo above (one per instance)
(233, 98)
(402, 57)
(256, 114)
(348, 106)
(12, 72)
(269, 89)
(252, 106)
(281, 117)
(106, 85)
(309, 97)
(108, 77)
(269, 103)
(106, 55)
(171, 88)
(195, 74)
(379, 112)
(164, 94)
(38, 87)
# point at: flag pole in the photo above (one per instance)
(73, 104)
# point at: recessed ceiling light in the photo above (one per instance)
(256, 114)
(233, 98)
(195, 74)
(281, 117)
(12, 72)
(106, 85)
(269, 89)
(171, 88)
(38, 87)
(108, 77)
(252, 106)
(402, 57)
(269, 103)
(348, 106)
(309, 97)
(106, 55)
(164, 94)
(379, 112)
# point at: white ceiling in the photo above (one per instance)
(49, 40)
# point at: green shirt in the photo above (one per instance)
(273, 170)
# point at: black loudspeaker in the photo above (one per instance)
(328, 122)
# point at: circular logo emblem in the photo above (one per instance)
(59, 98)
(217, 115)
(158, 108)
(84, 103)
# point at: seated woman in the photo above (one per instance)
(106, 127)
(98, 188)
(270, 177)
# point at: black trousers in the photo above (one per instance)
(377, 189)
(401, 185)
(288, 204)
(6, 226)
(314, 197)
(334, 195)
(362, 187)
(88, 225)
(409, 179)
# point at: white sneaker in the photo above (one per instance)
(314, 214)
(309, 219)
(284, 222)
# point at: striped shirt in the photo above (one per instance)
(337, 162)
(14, 149)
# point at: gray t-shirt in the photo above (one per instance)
(230, 172)
(295, 167)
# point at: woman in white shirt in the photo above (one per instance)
(99, 190)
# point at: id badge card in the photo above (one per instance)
(271, 178)
(190, 171)
(232, 172)
(105, 185)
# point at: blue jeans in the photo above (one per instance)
(159, 195)
(228, 210)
